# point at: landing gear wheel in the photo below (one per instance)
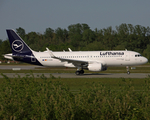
(82, 71)
(128, 72)
(77, 72)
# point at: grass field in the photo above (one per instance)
(76, 84)
(70, 98)
(74, 98)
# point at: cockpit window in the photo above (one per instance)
(138, 55)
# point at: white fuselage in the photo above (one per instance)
(107, 58)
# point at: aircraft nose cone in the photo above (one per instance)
(145, 60)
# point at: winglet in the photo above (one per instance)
(50, 52)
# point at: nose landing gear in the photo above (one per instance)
(128, 72)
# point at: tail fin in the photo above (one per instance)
(17, 44)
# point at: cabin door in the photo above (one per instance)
(127, 56)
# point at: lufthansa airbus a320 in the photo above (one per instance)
(90, 60)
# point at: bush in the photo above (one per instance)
(31, 98)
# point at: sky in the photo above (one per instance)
(37, 15)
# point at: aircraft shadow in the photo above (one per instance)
(96, 74)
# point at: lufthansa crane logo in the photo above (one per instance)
(17, 45)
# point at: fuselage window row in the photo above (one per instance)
(87, 56)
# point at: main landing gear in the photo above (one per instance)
(79, 72)
(128, 72)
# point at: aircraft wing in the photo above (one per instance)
(73, 61)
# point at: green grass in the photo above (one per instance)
(74, 98)
(76, 84)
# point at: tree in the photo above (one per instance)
(21, 32)
(49, 33)
(75, 34)
(88, 36)
(1, 42)
(147, 52)
(59, 35)
(4, 48)
(85, 27)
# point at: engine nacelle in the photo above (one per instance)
(96, 67)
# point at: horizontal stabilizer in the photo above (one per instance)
(8, 56)
(17, 56)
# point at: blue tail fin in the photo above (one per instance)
(18, 46)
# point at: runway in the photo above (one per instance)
(72, 75)
(69, 75)
(22, 67)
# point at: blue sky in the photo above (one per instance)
(37, 15)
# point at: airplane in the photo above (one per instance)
(90, 60)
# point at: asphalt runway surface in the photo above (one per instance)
(23, 67)
(69, 75)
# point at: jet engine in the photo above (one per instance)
(96, 67)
